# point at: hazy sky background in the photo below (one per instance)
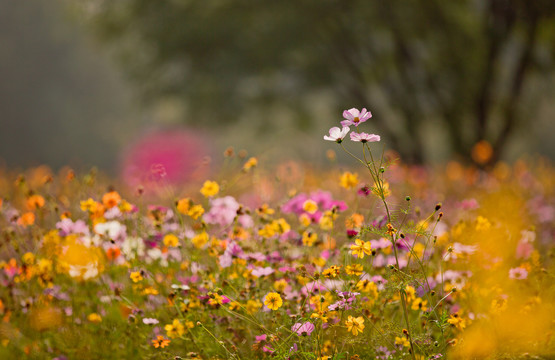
(64, 101)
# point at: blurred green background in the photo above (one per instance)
(81, 80)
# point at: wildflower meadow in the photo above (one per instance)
(381, 260)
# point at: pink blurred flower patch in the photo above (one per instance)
(173, 156)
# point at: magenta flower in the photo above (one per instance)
(336, 134)
(355, 117)
(304, 329)
(364, 137)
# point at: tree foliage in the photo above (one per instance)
(461, 65)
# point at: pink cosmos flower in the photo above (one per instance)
(262, 271)
(364, 137)
(222, 211)
(304, 329)
(262, 337)
(355, 117)
(150, 321)
(518, 273)
(336, 134)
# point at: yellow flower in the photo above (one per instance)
(94, 318)
(304, 220)
(348, 180)
(171, 240)
(175, 329)
(354, 221)
(457, 321)
(359, 248)
(273, 301)
(195, 211)
(419, 304)
(332, 271)
(410, 293)
(28, 258)
(210, 188)
(322, 315)
(253, 306)
(136, 276)
(280, 285)
(310, 206)
(183, 205)
(281, 226)
(355, 269)
(482, 223)
(309, 238)
(265, 210)
(252, 162)
(355, 325)
(326, 222)
(402, 341)
(200, 240)
(382, 191)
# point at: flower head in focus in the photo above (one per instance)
(364, 137)
(355, 325)
(304, 329)
(355, 117)
(160, 342)
(273, 301)
(337, 134)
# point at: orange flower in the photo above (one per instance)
(113, 253)
(35, 202)
(111, 199)
(26, 219)
(160, 342)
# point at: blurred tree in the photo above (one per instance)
(460, 65)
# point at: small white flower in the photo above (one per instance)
(337, 134)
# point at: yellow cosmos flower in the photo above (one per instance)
(273, 301)
(402, 341)
(195, 211)
(310, 206)
(94, 318)
(175, 329)
(252, 162)
(171, 240)
(253, 306)
(348, 180)
(355, 325)
(210, 188)
(309, 238)
(355, 269)
(183, 205)
(332, 271)
(136, 276)
(359, 248)
(200, 240)
(419, 304)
